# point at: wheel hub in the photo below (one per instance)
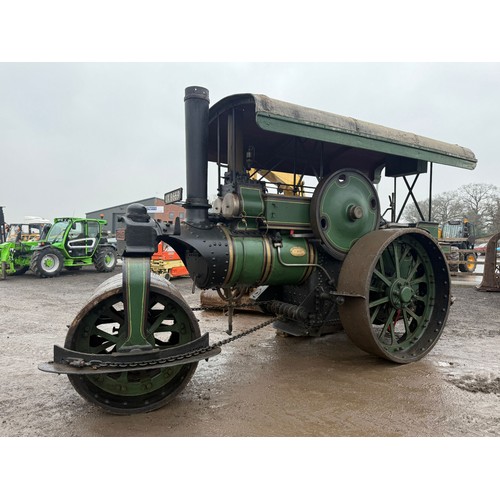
(400, 293)
(48, 263)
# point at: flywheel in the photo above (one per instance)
(344, 207)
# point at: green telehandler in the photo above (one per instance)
(73, 243)
(69, 243)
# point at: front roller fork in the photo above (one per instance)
(134, 346)
(136, 288)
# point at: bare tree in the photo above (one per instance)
(411, 214)
(480, 203)
(445, 206)
(494, 226)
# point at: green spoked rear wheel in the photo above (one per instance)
(100, 327)
(402, 294)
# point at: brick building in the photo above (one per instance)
(156, 208)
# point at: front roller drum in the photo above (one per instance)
(100, 328)
(397, 294)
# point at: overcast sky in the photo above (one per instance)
(78, 137)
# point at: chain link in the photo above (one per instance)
(196, 352)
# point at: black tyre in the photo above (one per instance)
(454, 256)
(470, 263)
(105, 259)
(47, 263)
(21, 270)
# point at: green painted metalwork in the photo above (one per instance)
(291, 262)
(355, 140)
(136, 283)
(252, 204)
(249, 258)
(256, 261)
(355, 133)
(431, 227)
(288, 212)
(346, 209)
(402, 294)
(100, 340)
(292, 120)
(252, 207)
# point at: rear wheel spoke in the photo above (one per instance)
(382, 278)
(387, 324)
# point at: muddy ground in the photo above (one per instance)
(261, 385)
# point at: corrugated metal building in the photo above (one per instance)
(156, 208)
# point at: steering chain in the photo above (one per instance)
(97, 364)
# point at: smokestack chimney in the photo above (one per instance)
(196, 104)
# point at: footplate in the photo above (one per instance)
(71, 362)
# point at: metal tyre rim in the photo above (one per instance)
(109, 260)
(403, 277)
(99, 328)
(49, 263)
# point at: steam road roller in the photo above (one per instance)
(318, 253)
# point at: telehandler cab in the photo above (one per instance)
(73, 243)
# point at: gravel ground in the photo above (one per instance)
(261, 385)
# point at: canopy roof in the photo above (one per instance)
(293, 138)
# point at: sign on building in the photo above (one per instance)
(154, 210)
